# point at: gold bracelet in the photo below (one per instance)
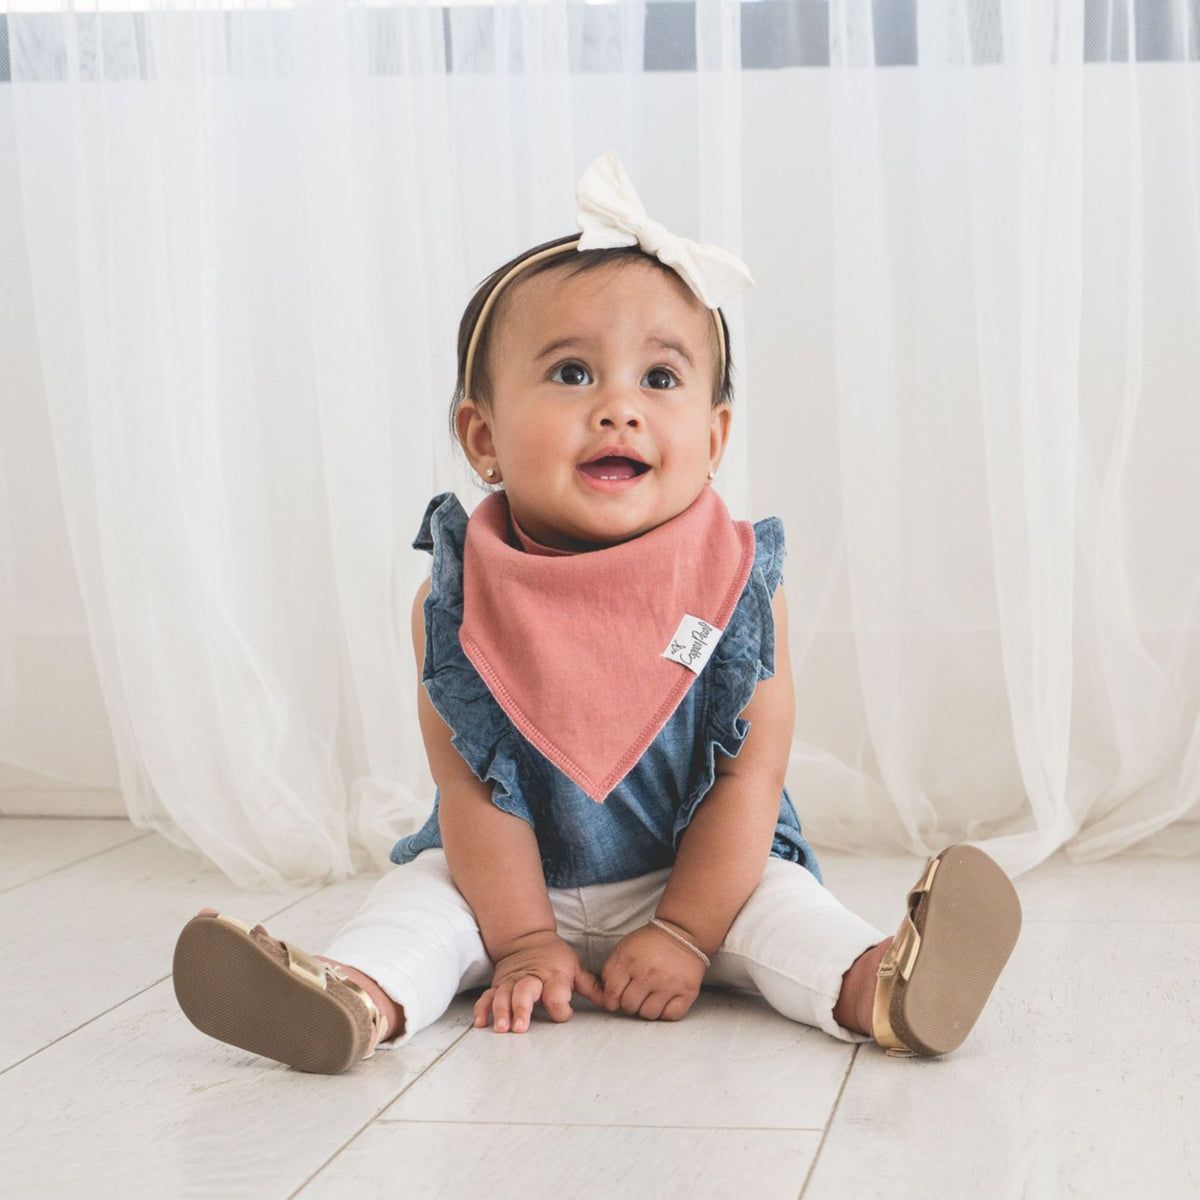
(681, 940)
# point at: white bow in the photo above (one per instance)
(610, 214)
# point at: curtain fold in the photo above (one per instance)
(236, 243)
(1005, 450)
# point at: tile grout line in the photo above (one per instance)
(83, 1025)
(139, 836)
(1121, 921)
(63, 817)
(829, 1123)
(594, 1125)
(375, 1116)
(139, 991)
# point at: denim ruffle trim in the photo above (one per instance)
(496, 752)
(488, 743)
(744, 656)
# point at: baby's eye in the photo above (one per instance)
(659, 378)
(574, 374)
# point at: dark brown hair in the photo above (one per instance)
(589, 260)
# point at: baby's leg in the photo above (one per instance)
(794, 943)
(416, 938)
(393, 1013)
(410, 948)
(920, 993)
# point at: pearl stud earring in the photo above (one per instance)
(490, 472)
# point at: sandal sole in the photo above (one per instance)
(969, 923)
(240, 991)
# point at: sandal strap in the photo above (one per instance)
(923, 885)
(245, 926)
(899, 960)
(301, 963)
(881, 1027)
(318, 972)
(901, 955)
(378, 1020)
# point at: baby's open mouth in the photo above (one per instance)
(613, 467)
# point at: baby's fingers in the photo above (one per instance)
(653, 1005)
(589, 987)
(525, 994)
(556, 998)
(501, 1006)
(676, 1008)
(483, 1008)
(616, 979)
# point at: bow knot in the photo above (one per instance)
(653, 236)
(611, 214)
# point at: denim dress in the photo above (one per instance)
(638, 827)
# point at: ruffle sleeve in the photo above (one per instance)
(487, 742)
(744, 656)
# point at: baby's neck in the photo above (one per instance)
(522, 541)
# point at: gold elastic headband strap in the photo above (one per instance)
(519, 268)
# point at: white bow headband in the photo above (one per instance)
(611, 215)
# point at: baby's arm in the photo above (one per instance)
(721, 858)
(495, 863)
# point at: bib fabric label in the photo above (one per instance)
(693, 643)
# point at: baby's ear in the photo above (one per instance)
(475, 433)
(722, 415)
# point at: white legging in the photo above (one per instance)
(417, 938)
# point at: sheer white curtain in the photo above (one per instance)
(244, 237)
(236, 243)
(992, 497)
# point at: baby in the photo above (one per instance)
(607, 710)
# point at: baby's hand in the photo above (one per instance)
(651, 975)
(540, 967)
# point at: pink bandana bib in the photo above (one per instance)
(574, 647)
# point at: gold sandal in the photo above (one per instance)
(962, 924)
(236, 985)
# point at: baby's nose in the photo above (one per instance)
(624, 419)
(618, 408)
(630, 420)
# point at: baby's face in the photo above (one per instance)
(601, 425)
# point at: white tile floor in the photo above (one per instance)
(1082, 1079)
